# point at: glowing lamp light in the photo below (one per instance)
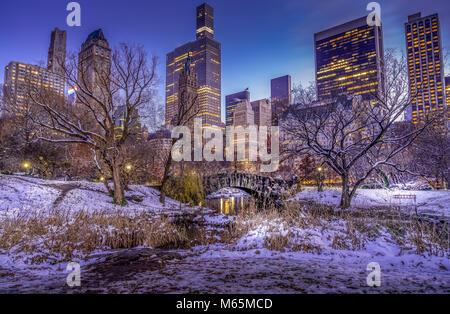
(102, 179)
(319, 169)
(128, 167)
(26, 165)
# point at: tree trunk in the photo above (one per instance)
(320, 184)
(105, 182)
(346, 196)
(162, 198)
(119, 197)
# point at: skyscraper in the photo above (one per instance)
(188, 89)
(94, 61)
(22, 79)
(447, 88)
(447, 95)
(231, 101)
(57, 51)
(281, 94)
(350, 59)
(263, 112)
(425, 66)
(206, 63)
(243, 114)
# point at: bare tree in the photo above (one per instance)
(186, 112)
(104, 118)
(431, 156)
(304, 95)
(353, 136)
(20, 113)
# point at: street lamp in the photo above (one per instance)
(128, 167)
(320, 180)
(102, 179)
(26, 165)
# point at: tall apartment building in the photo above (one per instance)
(263, 112)
(57, 51)
(230, 104)
(281, 96)
(206, 63)
(94, 62)
(425, 66)
(350, 59)
(22, 79)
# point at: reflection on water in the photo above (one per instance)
(230, 205)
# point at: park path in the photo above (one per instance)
(159, 271)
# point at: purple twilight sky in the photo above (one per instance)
(261, 39)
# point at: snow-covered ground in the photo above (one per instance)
(433, 203)
(318, 256)
(32, 195)
(228, 192)
(233, 272)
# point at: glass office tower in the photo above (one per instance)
(350, 60)
(425, 66)
(281, 96)
(206, 62)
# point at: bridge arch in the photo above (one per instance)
(259, 186)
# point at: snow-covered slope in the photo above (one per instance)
(435, 203)
(19, 193)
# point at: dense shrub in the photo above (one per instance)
(187, 188)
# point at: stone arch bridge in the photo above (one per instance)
(259, 186)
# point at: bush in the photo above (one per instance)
(187, 189)
(372, 186)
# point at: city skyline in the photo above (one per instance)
(294, 57)
(205, 57)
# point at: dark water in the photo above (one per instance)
(231, 205)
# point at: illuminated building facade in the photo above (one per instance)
(22, 79)
(350, 60)
(281, 96)
(447, 90)
(447, 93)
(134, 125)
(244, 116)
(425, 66)
(206, 63)
(231, 102)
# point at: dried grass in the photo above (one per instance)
(62, 237)
(350, 230)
